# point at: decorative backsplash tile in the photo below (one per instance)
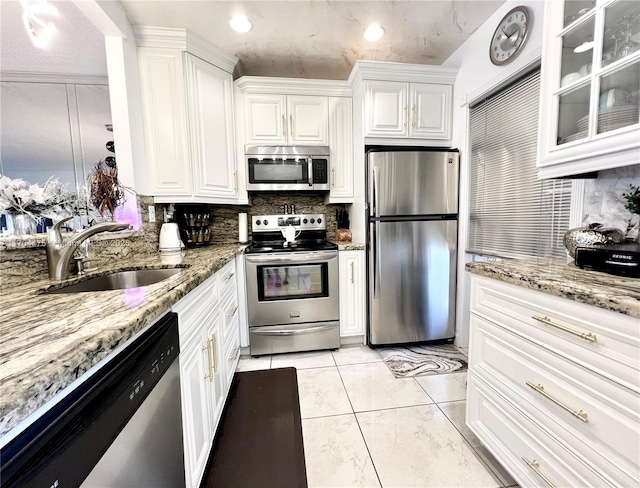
(603, 201)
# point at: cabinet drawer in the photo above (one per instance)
(615, 353)
(512, 437)
(229, 316)
(227, 278)
(231, 355)
(604, 412)
(192, 308)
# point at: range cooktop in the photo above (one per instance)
(310, 231)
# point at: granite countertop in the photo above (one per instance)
(50, 340)
(349, 246)
(559, 278)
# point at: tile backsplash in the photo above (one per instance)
(603, 201)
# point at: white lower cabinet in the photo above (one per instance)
(209, 351)
(554, 387)
(352, 290)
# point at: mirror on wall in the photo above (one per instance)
(55, 116)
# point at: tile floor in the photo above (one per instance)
(363, 427)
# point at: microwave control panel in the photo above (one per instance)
(320, 171)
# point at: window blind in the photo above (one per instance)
(512, 213)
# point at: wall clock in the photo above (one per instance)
(510, 36)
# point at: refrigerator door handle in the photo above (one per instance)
(376, 264)
(374, 196)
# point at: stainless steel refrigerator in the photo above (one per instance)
(412, 205)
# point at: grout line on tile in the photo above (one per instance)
(423, 389)
(478, 456)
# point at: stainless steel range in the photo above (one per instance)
(292, 285)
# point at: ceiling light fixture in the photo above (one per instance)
(584, 47)
(39, 30)
(240, 23)
(374, 32)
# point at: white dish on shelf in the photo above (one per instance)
(570, 78)
(575, 137)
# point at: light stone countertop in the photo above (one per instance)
(47, 341)
(556, 277)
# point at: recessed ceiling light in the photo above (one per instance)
(240, 23)
(40, 31)
(374, 32)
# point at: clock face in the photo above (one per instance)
(510, 36)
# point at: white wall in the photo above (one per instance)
(477, 77)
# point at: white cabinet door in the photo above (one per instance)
(386, 109)
(265, 119)
(210, 115)
(430, 111)
(215, 374)
(308, 120)
(341, 144)
(196, 423)
(352, 302)
(163, 107)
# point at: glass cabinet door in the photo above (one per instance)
(617, 103)
(599, 78)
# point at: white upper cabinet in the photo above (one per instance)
(430, 116)
(188, 110)
(387, 109)
(341, 144)
(283, 119)
(292, 111)
(210, 111)
(409, 103)
(413, 110)
(589, 99)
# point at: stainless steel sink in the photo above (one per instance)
(121, 280)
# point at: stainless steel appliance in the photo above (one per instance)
(412, 207)
(292, 285)
(120, 427)
(287, 168)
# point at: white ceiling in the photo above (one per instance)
(77, 48)
(294, 38)
(322, 38)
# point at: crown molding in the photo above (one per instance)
(184, 40)
(406, 72)
(28, 77)
(293, 86)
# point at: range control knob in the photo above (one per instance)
(312, 220)
(265, 222)
(304, 221)
(258, 222)
(319, 221)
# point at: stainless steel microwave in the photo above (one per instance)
(287, 168)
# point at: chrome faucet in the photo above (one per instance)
(59, 253)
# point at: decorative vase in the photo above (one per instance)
(593, 235)
(22, 224)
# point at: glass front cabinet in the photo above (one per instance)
(590, 87)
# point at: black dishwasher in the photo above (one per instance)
(121, 427)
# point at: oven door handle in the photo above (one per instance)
(284, 332)
(273, 258)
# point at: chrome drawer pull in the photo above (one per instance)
(534, 465)
(233, 312)
(229, 276)
(590, 336)
(235, 355)
(580, 414)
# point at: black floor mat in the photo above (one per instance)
(259, 440)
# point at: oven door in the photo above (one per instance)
(292, 287)
(279, 173)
